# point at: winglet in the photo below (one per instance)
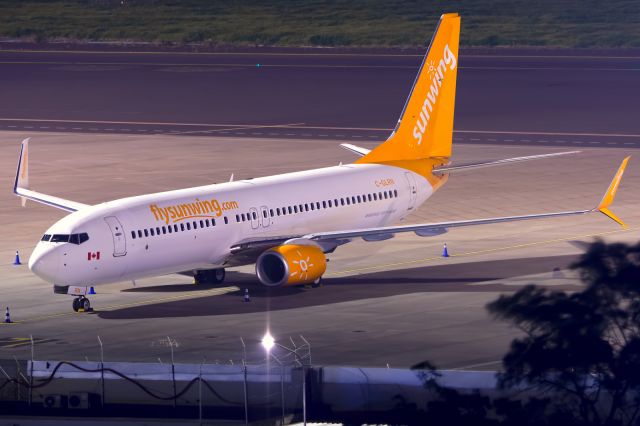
(603, 207)
(22, 174)
(22, 190)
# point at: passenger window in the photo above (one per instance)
(342, 201)
(290, 210)
(139, 233)
(348, 201)
(146, 233)
(188, 226)
(242, 217)
(329, 203)
(278, 211)
(255, 215)
(264, 214)
(151, 230)
(386, 195)
(395, 193)
(206, 222)
(237, 218)
(202, 224)
(169, 228)
(226, 220)
(164, 230)
(213, 222)
(182, 227)
(369, 197)
(133, 234)
(306, 207)
(158, 230)
(271, 212)
(324, 204)
(359, 199)
(175, 228)
(295, 209)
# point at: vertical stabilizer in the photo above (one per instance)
(425, 127)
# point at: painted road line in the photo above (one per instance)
(189, 295)
(478, 252)
(372, 129)
(482, 364)
(324, 52)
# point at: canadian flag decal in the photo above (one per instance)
(93, 255)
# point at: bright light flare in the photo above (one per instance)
(268, 342)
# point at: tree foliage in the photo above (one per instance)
(581, 349)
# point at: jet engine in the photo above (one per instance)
(291, 264)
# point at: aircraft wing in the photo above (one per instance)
(21, 186)
(428, 229)
(244, 251)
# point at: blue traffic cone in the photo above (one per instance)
(246, 297)
(91, 291)
(445, 252)
(7, 317)
(16, 262)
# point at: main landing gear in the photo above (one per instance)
(209, 276)
(82, 304)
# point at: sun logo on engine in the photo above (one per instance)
(304, 265)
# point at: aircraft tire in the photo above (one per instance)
(76, 304)
(85, 304)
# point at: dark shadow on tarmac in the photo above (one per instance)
(461, 277)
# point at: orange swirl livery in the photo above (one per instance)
(178, 212)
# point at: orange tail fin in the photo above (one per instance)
(425, 127)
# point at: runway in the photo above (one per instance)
(396, 302)
(506, 96)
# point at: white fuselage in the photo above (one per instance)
(120, 244)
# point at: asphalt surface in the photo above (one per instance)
(396, 302)
(107, 125)
(527, 97)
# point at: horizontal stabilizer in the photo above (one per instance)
(356, 149)
(457, 168)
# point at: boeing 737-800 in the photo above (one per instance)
(284, 224)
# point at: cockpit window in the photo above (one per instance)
(60, 238)
(46, 237)
(66, 238)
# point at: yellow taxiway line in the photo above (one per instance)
(478, 252)
(189, 295)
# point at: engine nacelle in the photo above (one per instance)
(290, 264)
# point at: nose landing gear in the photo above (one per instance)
(82, 304)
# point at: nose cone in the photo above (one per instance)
(44, 262)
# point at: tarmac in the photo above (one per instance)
(524, 96)
(395, 303)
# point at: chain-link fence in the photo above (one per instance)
(267, 382)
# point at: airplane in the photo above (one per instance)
(285, 224)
